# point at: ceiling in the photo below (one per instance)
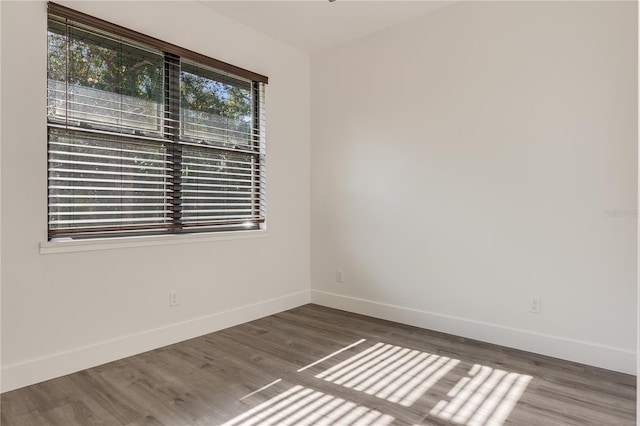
(313, 25)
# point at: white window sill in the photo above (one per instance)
(69, 245)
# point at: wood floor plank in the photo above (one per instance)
(314, 365)
(97, 392)
(72, 412)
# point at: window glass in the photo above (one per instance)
(142, 141)
(215, 108)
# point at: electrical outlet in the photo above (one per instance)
(535, 305)
(173, 298)
(339, 276)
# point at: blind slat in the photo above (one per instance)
(110, 189)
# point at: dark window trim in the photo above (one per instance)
(74, 15)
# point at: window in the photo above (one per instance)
(145, 137)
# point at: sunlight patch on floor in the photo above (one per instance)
(394, 373)
(332, 354)
(485, 397)
(302, 406)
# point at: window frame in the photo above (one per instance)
(172, 136)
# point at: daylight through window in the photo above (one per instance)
(146, 137)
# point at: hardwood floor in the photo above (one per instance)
(315, 365)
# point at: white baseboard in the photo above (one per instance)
(611, 358)
(59, 364)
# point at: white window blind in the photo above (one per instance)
(146, 137)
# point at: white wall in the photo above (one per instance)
(465, 161)
(67, 311)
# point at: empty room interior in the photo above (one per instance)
(315, 212)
